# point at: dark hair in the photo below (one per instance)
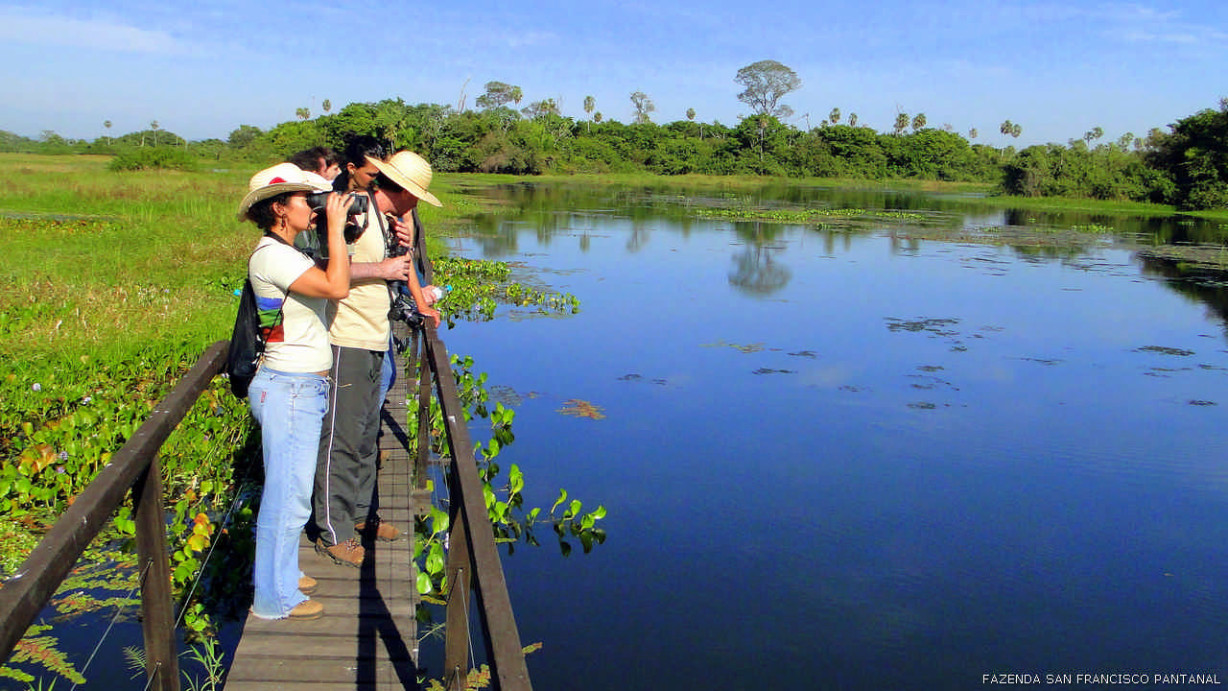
(331, 158)
(261, 213)
(384, 182)
(310, 159)
(357, 148)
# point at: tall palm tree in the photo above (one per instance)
(901, 122)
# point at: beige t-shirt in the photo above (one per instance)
(296, 336)
(361, 319)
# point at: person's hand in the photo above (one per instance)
(396, 268)
(404, 230)
(428, 294)
(335, 210)
(430, 312)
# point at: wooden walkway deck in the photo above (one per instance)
(367, 638)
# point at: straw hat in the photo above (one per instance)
(409, 170)
(270, 182)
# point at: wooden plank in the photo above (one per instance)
(368, 637)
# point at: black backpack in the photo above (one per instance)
(246, 342)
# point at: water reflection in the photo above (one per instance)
(919, 461)
(1207, 287)
(757, 271)
(576, 210)
(539, 205)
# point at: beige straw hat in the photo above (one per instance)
(411, 171)
(270, 182)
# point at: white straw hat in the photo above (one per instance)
(270, 182)
(409, 170)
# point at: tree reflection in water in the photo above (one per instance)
(755, 271)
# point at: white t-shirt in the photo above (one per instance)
(361, 319)
(297, 339)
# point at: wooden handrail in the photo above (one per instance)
(473, 558)
(134, 467)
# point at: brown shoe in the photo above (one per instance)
(349, 553)
(384, 532)
(306, 611)
(307, 585)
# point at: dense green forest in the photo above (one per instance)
(1186, 166)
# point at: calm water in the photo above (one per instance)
(846, 459)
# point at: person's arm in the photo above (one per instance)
(333, 281)
(391, 269)
(405, 233)
(415, 289)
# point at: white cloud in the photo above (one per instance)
(26, 27)
(1139, 24)
(1140, 36)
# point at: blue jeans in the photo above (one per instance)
(290, 409)
(388, 376)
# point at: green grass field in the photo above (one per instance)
(104, 262)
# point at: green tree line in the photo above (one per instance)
(1187, 166)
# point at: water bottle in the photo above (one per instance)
(439, 293)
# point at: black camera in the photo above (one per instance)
(359, 203)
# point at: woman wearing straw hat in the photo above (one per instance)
(289, 394)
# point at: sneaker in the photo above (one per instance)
(306, 611)
(385, 532)
(307, 585)
(349, 553)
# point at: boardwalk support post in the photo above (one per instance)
(158, 615)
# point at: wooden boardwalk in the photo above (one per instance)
(367, 638)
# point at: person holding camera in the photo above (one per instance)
(289, 393)
(360, 333)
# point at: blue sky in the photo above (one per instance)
(202, 69)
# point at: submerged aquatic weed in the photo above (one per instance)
(805, 215)
(576, 407)
(1165, 350)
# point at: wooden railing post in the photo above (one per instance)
(157, 607)
(422, 458)
(494, 607)
(460, 583)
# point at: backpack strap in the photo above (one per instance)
(264, 333)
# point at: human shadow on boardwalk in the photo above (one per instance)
(377, 626)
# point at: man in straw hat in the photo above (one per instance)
(346, 467)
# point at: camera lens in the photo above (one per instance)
(317, 200)
(358, 204)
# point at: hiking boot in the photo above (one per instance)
(384, 532)
(307, 585)
(306, 611)
(349, 553)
